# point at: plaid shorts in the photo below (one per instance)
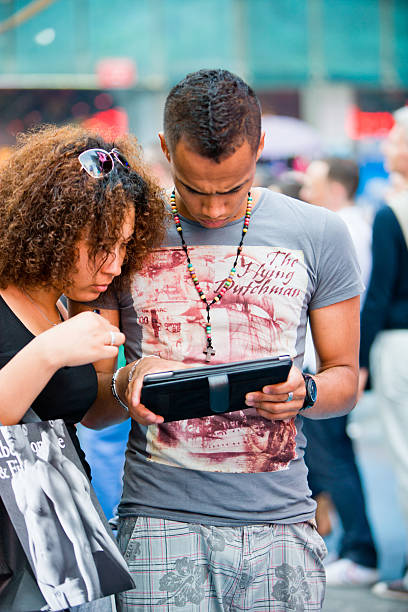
(201, 568)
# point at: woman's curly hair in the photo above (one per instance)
(48, 203)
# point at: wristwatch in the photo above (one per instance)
(311, 392)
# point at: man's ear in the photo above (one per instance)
(164, 146)
(260, 146)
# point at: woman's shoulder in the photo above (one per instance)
(13, 334)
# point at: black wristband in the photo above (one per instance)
(311, 392)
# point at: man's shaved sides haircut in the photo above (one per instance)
(215, 112)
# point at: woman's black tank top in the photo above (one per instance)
(70, 392)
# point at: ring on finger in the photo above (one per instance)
(112, 338)
(290, 396)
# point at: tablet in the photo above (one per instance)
(204, 391)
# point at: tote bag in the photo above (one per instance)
(65, 554)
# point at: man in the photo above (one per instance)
(59, 549)
(384, 322)
(203, 522)
(332, 182)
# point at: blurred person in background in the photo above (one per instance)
(397, 183)
(289, 183)
(332, 182)
(384, 322)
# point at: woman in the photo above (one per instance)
(75, 211)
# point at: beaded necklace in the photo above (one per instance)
(209, 350)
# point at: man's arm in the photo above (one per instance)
(336, 334)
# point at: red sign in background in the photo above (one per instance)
(116, 73)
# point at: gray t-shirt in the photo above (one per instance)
(235, 468)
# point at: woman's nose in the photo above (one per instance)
(113, 264)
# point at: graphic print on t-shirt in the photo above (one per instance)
(258, 317)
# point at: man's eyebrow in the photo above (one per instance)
(216, 193)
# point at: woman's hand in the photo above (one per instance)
(85, 338)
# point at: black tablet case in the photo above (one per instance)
(208, 390)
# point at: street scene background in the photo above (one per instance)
(329, 74)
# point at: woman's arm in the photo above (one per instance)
(78, 341)
(106, 410)
(24, 377)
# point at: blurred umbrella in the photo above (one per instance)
(289, 137)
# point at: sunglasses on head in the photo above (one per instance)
(99, 163)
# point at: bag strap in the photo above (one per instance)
(399, 206)
(29, 417)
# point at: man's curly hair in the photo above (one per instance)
(48, 203)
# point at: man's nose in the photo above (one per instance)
(213, 206)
